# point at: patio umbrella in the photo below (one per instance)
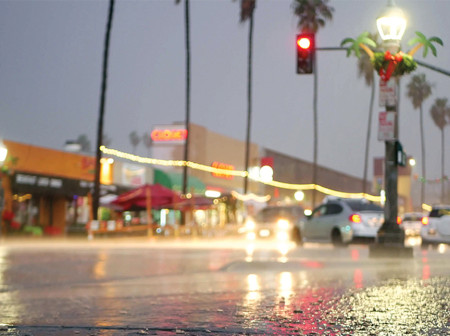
(147, 196)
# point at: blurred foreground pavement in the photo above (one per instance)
(218, 287)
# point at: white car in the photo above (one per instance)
(436, 227)
(343, 220)
(412, 223)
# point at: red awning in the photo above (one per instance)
(155, 195)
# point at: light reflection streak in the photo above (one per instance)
(253, 286)
(9, 303)
(442, 248)
(250, 249)
(100, 265)
(358, 278)
(285, 288)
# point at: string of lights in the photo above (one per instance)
(198, 166)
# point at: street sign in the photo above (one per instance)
(386, 126)
(387, 96)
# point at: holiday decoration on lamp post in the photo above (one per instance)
(385, 63)
(391, 63)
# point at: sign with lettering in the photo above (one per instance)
(169, 134)
(387, 94)
(386, 126)
(224, 166)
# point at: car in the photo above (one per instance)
(275, 222)
(412, 223)
(436, 226)
(342, 221)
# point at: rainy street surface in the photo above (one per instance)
(200, 287)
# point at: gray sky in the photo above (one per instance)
(51, 59)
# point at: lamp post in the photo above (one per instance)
(391, 26)
(392, 62)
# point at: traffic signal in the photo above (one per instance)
(305, 53)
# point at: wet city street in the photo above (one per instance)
(215, 287)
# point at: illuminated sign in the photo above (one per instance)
(224, 166)
(169, 134)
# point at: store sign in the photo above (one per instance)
(133, 175)
(169, 135)
(224, 166)
(42, 184)
(39, 181)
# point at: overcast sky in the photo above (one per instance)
(51, 61)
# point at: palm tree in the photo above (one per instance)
(84, 142)
(440, 113)
(106, 141)
(312, 15)
(188, 92)
(148, 142)
(366, 70)
(247, 10)
(96, 194)
(135, 139)
(419, 90)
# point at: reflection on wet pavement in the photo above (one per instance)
(312, 290)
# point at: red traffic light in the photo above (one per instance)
(304, 42)
(305, 53)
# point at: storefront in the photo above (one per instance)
(47, 191)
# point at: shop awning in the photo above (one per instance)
(174, 180)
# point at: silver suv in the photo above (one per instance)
(342, 220)
(436, 227)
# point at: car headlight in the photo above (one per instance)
(250, 225)
(283, 224)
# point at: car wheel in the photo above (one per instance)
(297, 236)
(336, 238)
(425, 245)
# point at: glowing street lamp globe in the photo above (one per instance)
(391, 23)
(3, 152)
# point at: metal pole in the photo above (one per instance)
(98, 155)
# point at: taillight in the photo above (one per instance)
(355, 218)
(399, 220)
(424, 220)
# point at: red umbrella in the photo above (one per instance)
(155, 194)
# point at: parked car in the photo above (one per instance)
(436, 226)
(412, 223)
(275, 222)
(342, 220)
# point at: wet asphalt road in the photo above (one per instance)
(162, 287)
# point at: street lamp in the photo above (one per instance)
(391, 23)
(3, 152)
(391, 26)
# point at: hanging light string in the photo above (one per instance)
(198, 166)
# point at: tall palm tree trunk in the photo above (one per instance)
(249, 101)
(188, 96)
(369, 129)
(442, 165)
(424, 175)
(316, 135)
(96, 195)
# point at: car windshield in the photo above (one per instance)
(363, 205)
(272, 214)
(440, 212)
(413, 218)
